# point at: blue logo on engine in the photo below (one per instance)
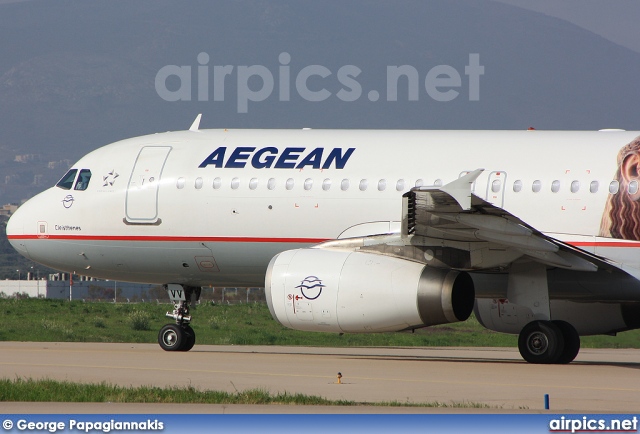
(311, 287)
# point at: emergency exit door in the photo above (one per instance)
(495, 188)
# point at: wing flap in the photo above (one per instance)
(452, 213)
(451, 227)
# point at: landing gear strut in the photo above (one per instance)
(179, 336)
(548, 342)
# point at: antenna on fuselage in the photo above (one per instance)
(196, 124)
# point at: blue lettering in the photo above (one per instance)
(267, 161)
(264, 158)
(236, 161)
(341, 160)
(288, 155)
(313, 159)
(216, 158)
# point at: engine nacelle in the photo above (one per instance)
(356, 292)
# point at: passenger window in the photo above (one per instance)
(253, 183)
(400, 185)
(180, 183)
(344, 185)
(614, 186)
(363, 184)
(235, 183)
(575, 186)
(419, 183)
(633, 187)
(555, 186)
(217, 183)
(308, 183)
(83, 180)
(593, 187)
(271, 184)
(536, 186)
(382, 185)
(437, 182)
(517, 186)
(67, 180)
(289, 184)
(496, 185)
(326, 184)
(198, 183)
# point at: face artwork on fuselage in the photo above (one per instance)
(621, 217)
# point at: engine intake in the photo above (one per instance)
(357, 292)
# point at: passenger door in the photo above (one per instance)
(142, 191)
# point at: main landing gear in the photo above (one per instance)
(549, 342)
(179, 336)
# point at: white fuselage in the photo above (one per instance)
(150, 213)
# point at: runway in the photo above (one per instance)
(598, 381)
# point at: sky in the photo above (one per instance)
(98, 88)
(616, 20)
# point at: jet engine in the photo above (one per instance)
(355, 292)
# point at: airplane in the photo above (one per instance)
(362, 231)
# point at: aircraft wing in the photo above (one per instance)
(450, 227)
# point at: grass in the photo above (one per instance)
(30, 390)
(46, 320)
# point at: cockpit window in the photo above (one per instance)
(67, 180)
(83, 180)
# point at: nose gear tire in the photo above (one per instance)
(171, 337)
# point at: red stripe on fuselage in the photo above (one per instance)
(604, 243)
(169, 238)
(627, 244)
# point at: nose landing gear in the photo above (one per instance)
(179, 336)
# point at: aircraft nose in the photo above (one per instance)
(15, 232)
